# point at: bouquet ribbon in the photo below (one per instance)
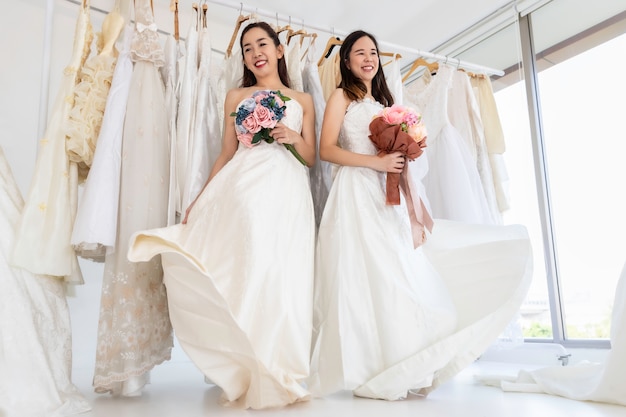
(391, 138)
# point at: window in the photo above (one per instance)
(578, 243)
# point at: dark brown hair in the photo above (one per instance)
(353, 87)
(248, 78)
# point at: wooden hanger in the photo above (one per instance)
(394, 56)
(196, 9)
(204, 10)
(472, 74)
(420, 62)
(313, 36)
(174, 8)
(240, 20)
(293, 33)
(332, 42)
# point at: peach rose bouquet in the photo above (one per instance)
(257, 115)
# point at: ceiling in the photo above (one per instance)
(413, 24)
(401, 26)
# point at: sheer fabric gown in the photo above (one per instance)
(453, 183)
(239, 275)
(389, 318)
(35, 331)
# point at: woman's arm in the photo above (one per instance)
(303, 142)
(329, 143)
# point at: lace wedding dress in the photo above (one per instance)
(35, 331)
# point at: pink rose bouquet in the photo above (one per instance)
(256, 116)
(400, 129)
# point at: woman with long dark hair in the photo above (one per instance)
(239, 270)
(390, 319)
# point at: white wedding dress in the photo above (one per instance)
(586, 381)
(239, 275)
(388, 318)
(35, 331)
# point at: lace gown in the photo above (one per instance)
(90, 96)
(239, 275)
(389, 318)
(134, 332)
(35, 331)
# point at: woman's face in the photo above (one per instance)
(363, 59)
(260, 55)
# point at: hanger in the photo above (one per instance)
(196, 9)
(332, 42)
(313, 36)
(420, 62)
(472, 74)
(174, 8)
(204, 10)
(240, 20)
(394, 56)
(293, 33)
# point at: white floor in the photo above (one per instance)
(178, 389)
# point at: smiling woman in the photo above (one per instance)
(243, 318)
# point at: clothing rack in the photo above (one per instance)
(161, 31)
(331, 31)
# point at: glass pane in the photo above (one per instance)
(501, 51)
(512, 104)
(583, 100)
(582, 92)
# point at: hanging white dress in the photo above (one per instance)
(294, 64)
(393, 76)
(600, 382)
(169, 72)
(203, 147)
(320, 172)
(186, 110)
(239, 275)
(229, 78)
(134, 331)
(453, 185)
(95, 227)
(494, 139)
(388, 318)
(42, 244)
(464, 115)
(35, 330)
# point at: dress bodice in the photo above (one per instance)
(293, 115)
(354, 134)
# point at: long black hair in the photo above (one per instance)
(353, 87)
(248, 78)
